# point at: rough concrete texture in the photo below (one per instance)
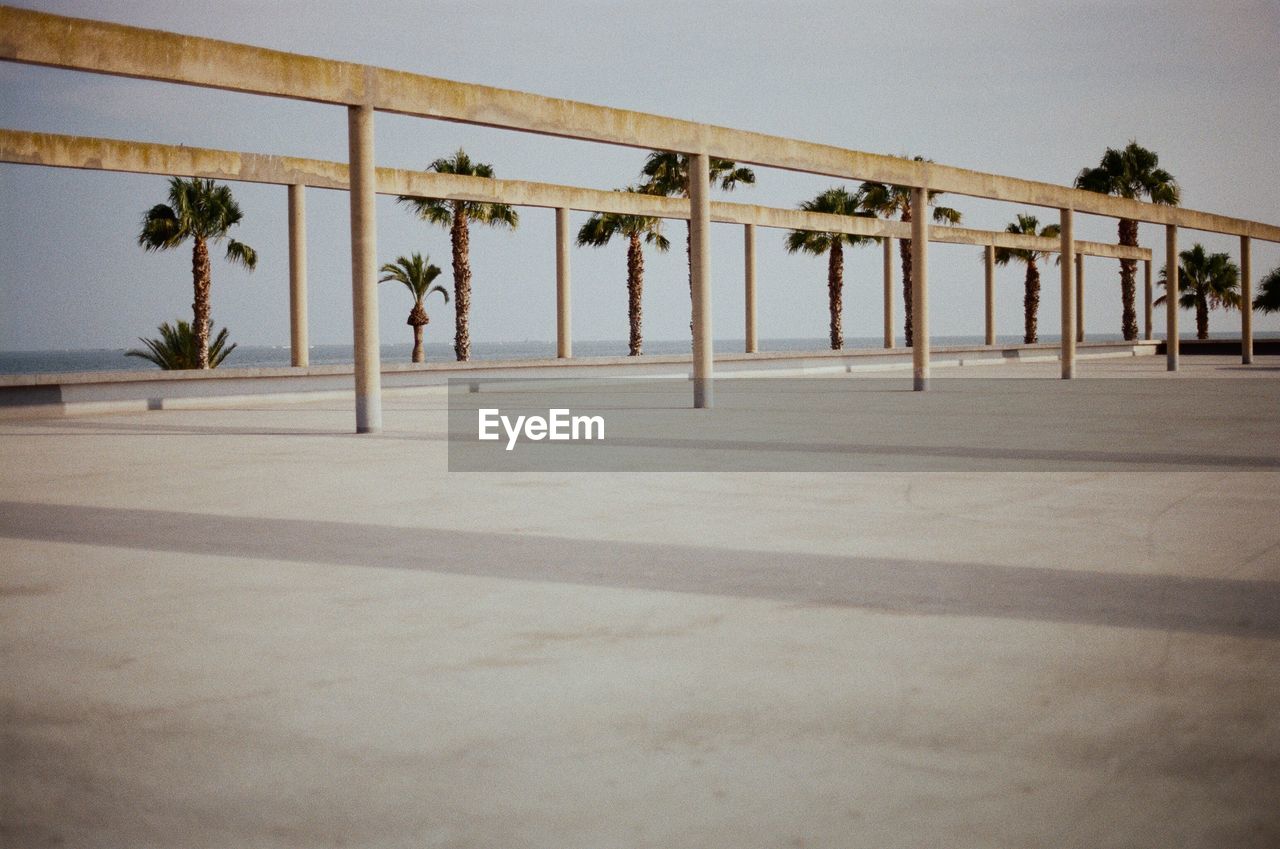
(245, 627)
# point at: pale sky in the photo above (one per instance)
(1030, 89)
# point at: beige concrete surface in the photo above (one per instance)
(249, 628)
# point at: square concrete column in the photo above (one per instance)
(887, 243)
(1171, 296)
(920, 288)
(749, 281)
(564, 336)
(1079, 297)
(1246, 302)
(364, 270)
(1067, 265)
(1146, 274)
(700, 275)
(990, 265)
(299, 352)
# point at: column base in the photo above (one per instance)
(702, 394)
(920, 384)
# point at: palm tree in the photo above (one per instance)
(455, 214)
(1268, 297)
(889, 201)
(1027, 224)
(834, 201)
(417, 274)
(603, 226)
(1205, 281)
(177, 348)
(667, 173)
(203, 212)
(1132, 172)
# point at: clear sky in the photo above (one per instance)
(1030, 89)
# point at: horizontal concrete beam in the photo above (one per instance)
(53, 40)
(59, 151)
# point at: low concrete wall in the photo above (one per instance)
(1224, 347)
(83, 392)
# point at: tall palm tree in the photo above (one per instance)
(455, 215)
(1205, 281)
(1131, 172)
(1027, 224)
(603, 226)
(176, 348)
(834, 201)
(890, 201)
(203, 212)
(1268, 297)
(417, 274)
(667, 173)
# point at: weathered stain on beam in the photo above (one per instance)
(53, 40)
(59, 151)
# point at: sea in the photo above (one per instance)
(114, 359)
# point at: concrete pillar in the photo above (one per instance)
(1146, 273)
(299, 351)
(564, 335)
(887, 242)
(990, 256)
(1079, 297)
(1246, 302)
(749, 281)
(1171, 296)
(364, 270)
(700, 269)
(920, 288)
(1067, 266)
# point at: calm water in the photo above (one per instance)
(27, 362)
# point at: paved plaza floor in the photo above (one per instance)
(247, 627)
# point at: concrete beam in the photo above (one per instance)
(59, 151)
(39, 38)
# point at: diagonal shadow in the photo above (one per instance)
(1201, 605)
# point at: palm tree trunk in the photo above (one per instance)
(1031, 302)
(418, 355)
(1128, 268)
(201, 277)
(835, 295)
(461, 239)
(1202, 316)
(635, 287)
(904, 249)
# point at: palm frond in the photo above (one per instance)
(242, 254)
(1268, 298)
(176, 347)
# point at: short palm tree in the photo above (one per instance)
(1027, 225)
(203, 212)
(177, 348)
(1268, 297)
(1205, 281)
(455, 215)
(603, 226)
(834, 201)
(417, 274)
(890, 201)
(667, 173)
(1131, 172)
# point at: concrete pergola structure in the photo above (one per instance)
(84, 45)
(298, 174)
